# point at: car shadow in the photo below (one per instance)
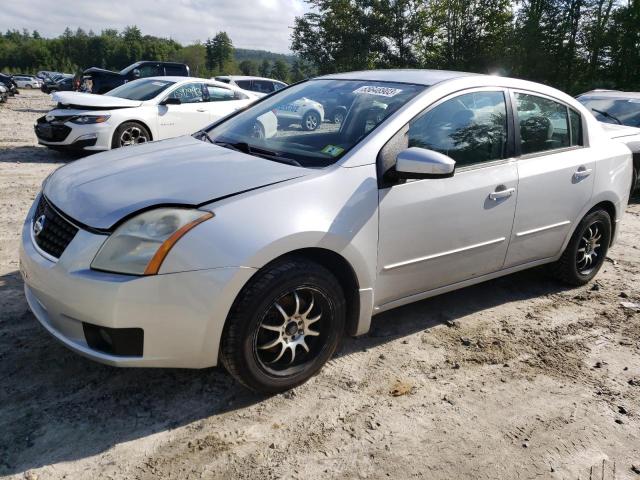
(56, 406)
(36, 154)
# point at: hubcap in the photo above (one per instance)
(290, 333)
(339, 118)
(589, 249)
(312, 122)
(132, 136)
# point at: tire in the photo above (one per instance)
(311, 121)
(258, 337)
(573, 267)
(130, 133)
(338, 116)
(634, 179)
(28, 86)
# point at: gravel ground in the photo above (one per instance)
(512, 379)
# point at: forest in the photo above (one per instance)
(574, 45)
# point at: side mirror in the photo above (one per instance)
(171, 101)
(417, 162)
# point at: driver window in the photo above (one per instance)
(189, 93)
(150, 70)
(470, 128)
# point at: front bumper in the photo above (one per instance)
(182, 314)
(96, 137)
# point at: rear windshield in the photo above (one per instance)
(143, 89)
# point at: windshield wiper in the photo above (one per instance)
(607, 115)
(244, 147)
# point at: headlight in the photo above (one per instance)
(89, 119)
(140, 245)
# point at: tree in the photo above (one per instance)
(265, 68)
(280, 70)
(248, 67)
(219, 51)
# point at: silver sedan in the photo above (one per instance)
(260, 253)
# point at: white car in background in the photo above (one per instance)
(259, 85)
(304, 111)
(140, 111)
(24, 81)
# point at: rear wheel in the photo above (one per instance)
(129, 134)
(586, 250)
(284, 326)
(634, 179)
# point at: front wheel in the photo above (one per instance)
(284, 326)
(586, 251)
(129, 134)
(311, 121)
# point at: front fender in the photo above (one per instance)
(335, 209)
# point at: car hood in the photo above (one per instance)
(101, 190)
(91, 70)
(617, 131)
(90, 100)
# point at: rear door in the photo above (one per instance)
(223, 101)
(556, 176)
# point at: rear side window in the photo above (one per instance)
(175, 70)
(220, 94)
(576, 128)
(470, 128)
(544, 124)
(244, 84)
(263, 86)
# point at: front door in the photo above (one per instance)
(556, 178)
(189, 116)
(437, 232)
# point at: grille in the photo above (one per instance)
(54, 232)
(51, 132)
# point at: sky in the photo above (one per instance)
(258, 24)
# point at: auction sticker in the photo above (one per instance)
(332, 150)
(380, 91)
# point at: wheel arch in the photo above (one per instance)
(336, 264)
(609, 207)
(134, 120)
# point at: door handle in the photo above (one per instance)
(582, 172)
(502, 193)
(201, 110)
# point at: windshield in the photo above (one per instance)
(314, 123)
(621, 111)
(143, 89)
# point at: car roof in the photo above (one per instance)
(611, 94)
(414, 76)
(178, 79)
(248, 77)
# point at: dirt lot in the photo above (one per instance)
(516, 378)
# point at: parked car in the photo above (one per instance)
(260, 85)
(617, 108)
(308, 113)
(23, 81)
(99, 81)
(140, 111)
(52, 83)
(9, 83)
(44, 74)
(261, 252)
(3, 94)
(65, 84)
